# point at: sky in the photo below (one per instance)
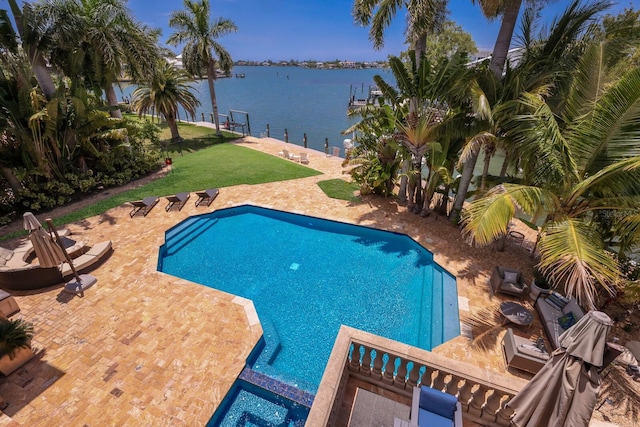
(324, 30)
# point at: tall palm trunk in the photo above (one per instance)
(211, 76)
(12, 180)
(112, 101)
(463, 186)
(501, 48)
(498, 59)
(505, 166)
(173, 126)
(417, 167)
(402, 192)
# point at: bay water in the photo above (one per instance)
(301, 100)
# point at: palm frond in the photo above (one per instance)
(613, 132)
(573, 255)
(487, 219)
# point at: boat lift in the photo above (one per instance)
(229, 121)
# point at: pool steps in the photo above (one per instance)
(440, 296)
(272, 342)
(185, 232)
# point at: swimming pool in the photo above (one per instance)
(306, 276)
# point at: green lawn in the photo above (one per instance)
(221, 165)
(195, 137)
(340, 189)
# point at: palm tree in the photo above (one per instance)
(580, 161)
(424, 17)
(547, 61)
(98, 40)
(33, 41)
(202, 53)
(162, 92)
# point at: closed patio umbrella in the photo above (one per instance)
(47, 251)
(565, 391)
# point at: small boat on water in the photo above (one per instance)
(371, 99)
(239, 75)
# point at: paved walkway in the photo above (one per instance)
(145, 348)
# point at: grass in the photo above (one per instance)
(340, 189)
(194, 137)
(221, 165)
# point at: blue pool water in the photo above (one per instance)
(307, 276)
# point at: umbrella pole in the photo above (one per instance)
(64, 251)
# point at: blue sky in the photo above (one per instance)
(319, 29)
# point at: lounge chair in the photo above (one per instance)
(431, 407)
(304, 158)
(207, 196)
(179, 200)
(284, 153)
(508, 281)
(145, 205)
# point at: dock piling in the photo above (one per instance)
(286, 135)
(304, 140)
(268, 135)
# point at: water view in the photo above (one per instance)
(301, 100)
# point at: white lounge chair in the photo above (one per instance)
(304, 158)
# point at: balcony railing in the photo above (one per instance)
(400, 367)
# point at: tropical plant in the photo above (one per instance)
(423, 17)
(579, 160)
(97, 40)
(162, 92)
(375, 160)
(14, 335)
(542, 60)
(33, 40)
(375, 164)
(202, 54)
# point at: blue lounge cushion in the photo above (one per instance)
(429, 419)
(437, 402)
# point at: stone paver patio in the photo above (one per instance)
(145, 348)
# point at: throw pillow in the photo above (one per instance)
(557, 299)
(510, 277)
(532, 351)
(567, 321)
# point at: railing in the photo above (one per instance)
(399, 367)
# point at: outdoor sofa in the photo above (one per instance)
(17, 274)
(557, 313)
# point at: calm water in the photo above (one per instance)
(307, 276)
(302, 100)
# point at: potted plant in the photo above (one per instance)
(540, 284)
(15, 344)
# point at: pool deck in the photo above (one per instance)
(145, 348)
